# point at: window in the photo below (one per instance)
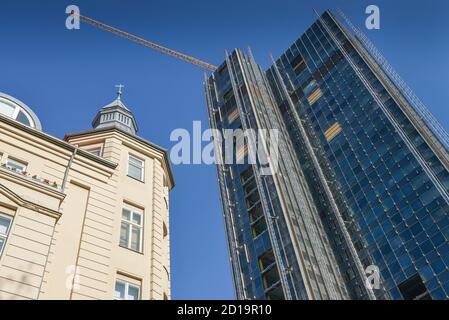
(96, 151)
(15, 165)
(414, 289)
(241, 153)
(131, 229)
(258, 228)
(136, 168)
(310, 87)
(266, 260)
(315, 96)
(270, 278)
(256, 213)
(125, 290)
(246, 175)
(14, 109)
(5, 225)
(275, 294)
(298, 65)
(6, 109)
(233, 115)
(332, 132)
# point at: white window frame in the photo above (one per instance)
(16, 111)
(4, 236)
(17, 163)
(127, 285)
(95, 148)
(142, 174)
(132, 224)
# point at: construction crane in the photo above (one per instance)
(146, 43)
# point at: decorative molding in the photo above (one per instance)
(31, 183)
(55, 141)
(164, 154)
(28, 204)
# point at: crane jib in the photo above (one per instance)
(146, 43)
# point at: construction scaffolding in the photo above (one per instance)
(283, 270)
(226, 202)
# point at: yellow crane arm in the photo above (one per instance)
(146, 43)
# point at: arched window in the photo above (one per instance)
(17, 110)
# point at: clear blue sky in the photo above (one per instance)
(66, 76)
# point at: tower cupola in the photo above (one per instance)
(116, 115)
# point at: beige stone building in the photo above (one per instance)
(85, 217)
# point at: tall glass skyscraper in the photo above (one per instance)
(359, 189)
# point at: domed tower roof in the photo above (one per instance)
(116, 115)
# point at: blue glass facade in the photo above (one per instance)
(361, 175)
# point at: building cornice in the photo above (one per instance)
(28, 204)
(31, 183)
(133, 137)
(58, 142)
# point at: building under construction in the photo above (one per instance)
(361, 186)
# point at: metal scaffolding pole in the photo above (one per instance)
(270, 223)
(226, 203)
(294, 190)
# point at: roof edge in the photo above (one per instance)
(139, 139)
(60, 143)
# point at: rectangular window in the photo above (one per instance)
(298, 65)
(414, 289)
(275, 294)
(332, 132)
(241, 153)
(313, 92)
(228, 95)
(5, 226)
(96, 151)
(314, 96)
(233, 115)
(270, 276)
(125, 290)
(136, 168)
(310, 87)
(131, 229)
(16, 165)
(266, 260)
(258, 228)
(246, 175)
